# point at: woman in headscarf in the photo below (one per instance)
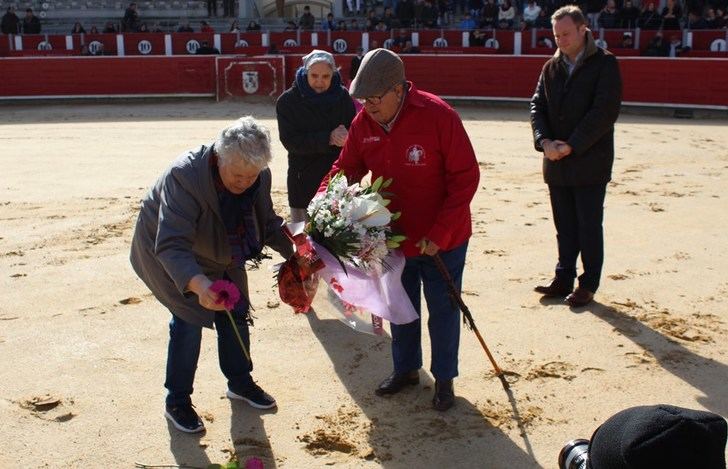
(314, 115)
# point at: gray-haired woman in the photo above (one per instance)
(207, 215)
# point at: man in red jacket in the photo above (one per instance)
(419, 141)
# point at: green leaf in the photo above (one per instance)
(396, 215)
(387, 183)
(377, 184)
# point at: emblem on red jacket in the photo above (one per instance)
(415, 156)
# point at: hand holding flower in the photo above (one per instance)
(208, 299)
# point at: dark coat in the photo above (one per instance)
(10, 24)
(180, 233)
(581, 110)
(32, 25)
(304, 127)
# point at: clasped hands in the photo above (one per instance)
(200, 286)
(554, 150)
(338, 136)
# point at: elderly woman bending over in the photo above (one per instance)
(207, 215)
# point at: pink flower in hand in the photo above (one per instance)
(227, 293)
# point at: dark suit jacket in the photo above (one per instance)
(581, 110)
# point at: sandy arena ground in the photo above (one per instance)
(83, 343)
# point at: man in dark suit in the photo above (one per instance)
(573, 111)
(355, 62)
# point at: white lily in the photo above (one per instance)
(369, 211)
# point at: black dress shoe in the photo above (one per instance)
(580, 297)
(555, 289)
(444, 395)
(394, 382)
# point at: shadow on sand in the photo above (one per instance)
(404, 430)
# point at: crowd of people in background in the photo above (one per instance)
(473, 15)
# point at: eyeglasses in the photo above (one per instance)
(376, 100)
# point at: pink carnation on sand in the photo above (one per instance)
(254, 463)
(227, 293)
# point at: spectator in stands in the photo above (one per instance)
(355, 62)
(543, 41)
(676, 46)
(206, 49)
(403, 36)
(390, 21)
(228, 8)
(307, 20)
(657, 47)
(185, 27)
(477, 38)
(650, 18)
(428, 15)
(467, 23)
(143, 28)
(354, 25)
(405, 13)
(253, 26)
(475, 7)
(290, 26)
(609, 17)
(695, 21)
(627, 41)
(234, 26)
(109, 28)
(130, 22)
(341, 25)
(156, 28)
(544, 20)
(354, 6)
(10, 23)
(506, 15)
(592, 8)
(629, 15)
(671, 15)
(445, 9)
(720, 19)
(31, 23)
(77, 28)
(373, 18)
(314, 115)
(211, 8)
(489, 16)
(205, 27)
(530, 13)
(93, 30)
(329, 24)
(710, 18)
(408, 48)
(381, 27)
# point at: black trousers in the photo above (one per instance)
(228, 7)
(578, 213)
(211, 7)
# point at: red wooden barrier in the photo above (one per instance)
(646, 80)
(95, 76)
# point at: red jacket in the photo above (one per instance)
(431, 162)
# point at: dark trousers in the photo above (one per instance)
(443, 322)
(578, 213)
(211, 7)
(228, 7)
(184, 352)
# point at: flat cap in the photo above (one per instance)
(379, 71)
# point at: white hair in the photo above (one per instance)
(245, 140)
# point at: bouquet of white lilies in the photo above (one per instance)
(353, 222)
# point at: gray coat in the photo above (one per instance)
(180, 233)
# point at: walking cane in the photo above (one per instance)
(467, 317)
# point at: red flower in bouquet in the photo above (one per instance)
(228, 294)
